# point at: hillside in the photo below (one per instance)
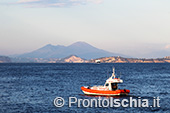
(130, 60)
(77, 59)
(73, 59)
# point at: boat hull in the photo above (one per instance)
(88, 91)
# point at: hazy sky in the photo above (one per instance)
(131, 27)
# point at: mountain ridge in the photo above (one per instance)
(81, 49)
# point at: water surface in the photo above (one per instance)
(33, 87)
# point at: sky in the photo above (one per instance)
(137, 28)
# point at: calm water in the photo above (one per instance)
(33, 87)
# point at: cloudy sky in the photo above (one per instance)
(138, 28)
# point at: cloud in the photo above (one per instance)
(95, 1)
(56, 3)
(27, 1)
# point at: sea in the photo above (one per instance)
(32, 87)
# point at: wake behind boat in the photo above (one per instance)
(110, 88)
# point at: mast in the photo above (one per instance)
(113, 73)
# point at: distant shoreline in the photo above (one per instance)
(76, 59)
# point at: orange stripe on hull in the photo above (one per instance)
(101, 92)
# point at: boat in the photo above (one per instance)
(110, 88)
(97, 61)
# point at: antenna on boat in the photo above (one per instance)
(113, 73)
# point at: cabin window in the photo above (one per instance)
(107, 84)
(114, 86)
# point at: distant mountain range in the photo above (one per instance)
(81, 49)
(79, 52)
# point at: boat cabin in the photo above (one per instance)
(112, 82)
(109, 88)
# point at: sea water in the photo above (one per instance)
(32, 87)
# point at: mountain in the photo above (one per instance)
(81, 49)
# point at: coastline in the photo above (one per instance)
(76, 59)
